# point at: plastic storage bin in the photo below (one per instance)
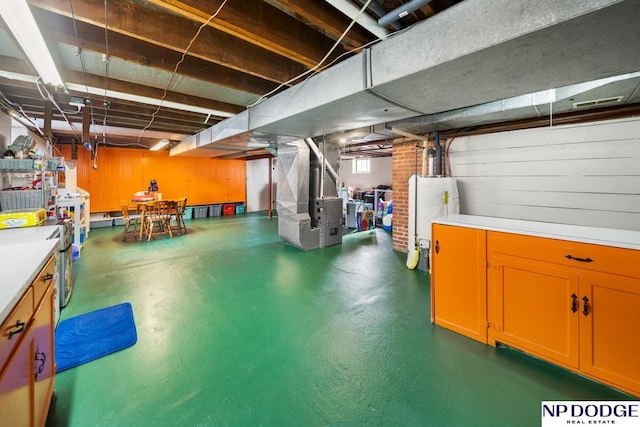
(188, 212)
(215, 210)
(239, 208)
(200, 211)
(21, 199)
(229, 209)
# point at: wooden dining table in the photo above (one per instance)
(142, 207)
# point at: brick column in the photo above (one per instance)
(403, 166)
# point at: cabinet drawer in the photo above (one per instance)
(42, 282)
(624, 262)
(15, 326)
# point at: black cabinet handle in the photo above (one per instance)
(578, 259)
(574, 303)
(19, 328)
(47, 276)
(41, 360)
(585, 306)
(437, 246)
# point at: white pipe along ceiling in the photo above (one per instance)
(448, 62)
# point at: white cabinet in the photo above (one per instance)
(75, 208)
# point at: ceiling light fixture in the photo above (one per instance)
(18, 17)
(159, 145)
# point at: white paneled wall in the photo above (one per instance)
(587, 174)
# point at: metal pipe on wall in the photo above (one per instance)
(438, 153)
(270, 210)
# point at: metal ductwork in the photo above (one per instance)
(401, 12)
(546, 45)
(292, 204)
(538, 104)
(308, 216)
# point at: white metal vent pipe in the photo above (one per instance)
(311, 143)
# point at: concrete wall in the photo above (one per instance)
(381, 171)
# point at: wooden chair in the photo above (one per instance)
(128, 219)
(158, 219)
(178, 215)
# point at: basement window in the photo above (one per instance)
(361, 166)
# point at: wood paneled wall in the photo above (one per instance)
(121, 172)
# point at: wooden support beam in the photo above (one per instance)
(176, 33)
(320, 15)
(91, 38)
(47, 121)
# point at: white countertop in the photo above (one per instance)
(11, 236)
(20, 263)
(600, 236)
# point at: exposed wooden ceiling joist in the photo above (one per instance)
(174, 32)
(90, 37)
(248, 50)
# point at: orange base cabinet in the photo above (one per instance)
(16, 369)
(530, 308)
(27, 364)
(458, 280)
(562, 302)
(610, 329)
(44, 363)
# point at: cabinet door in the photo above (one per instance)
(534, 308)
(610, 329)
(43, 356)
(458, 281)
(16, 386)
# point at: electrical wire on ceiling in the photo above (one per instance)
(316, 68)
(49, 96)
(17, 108)
(105, 102)
(55, 103)
(175, 70)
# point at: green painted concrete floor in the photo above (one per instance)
(237, 328)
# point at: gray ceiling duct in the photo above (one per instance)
(521, 47)
(401, 12)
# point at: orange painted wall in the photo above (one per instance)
(121, 172)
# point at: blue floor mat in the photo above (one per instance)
(90, 336)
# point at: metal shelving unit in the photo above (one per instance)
(45, 197)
